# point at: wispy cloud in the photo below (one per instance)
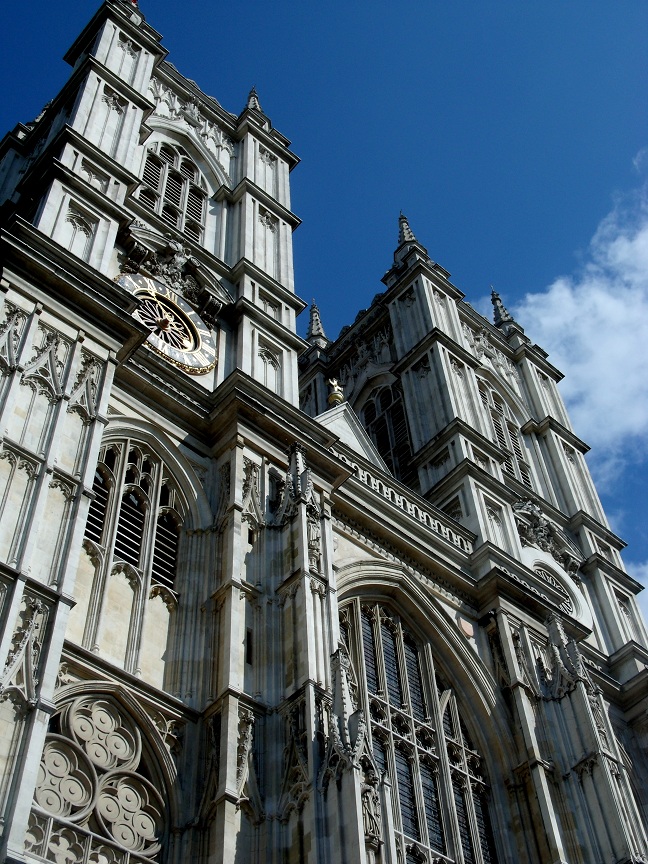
(595, 327)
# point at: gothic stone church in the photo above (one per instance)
(267, 599)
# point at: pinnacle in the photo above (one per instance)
(316, 334)
(501, 315)
(405, 233)
(253, 101)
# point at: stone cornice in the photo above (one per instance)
(138, 30)
(245, 308)
(247, 186)
(245, 267)
(541, 427)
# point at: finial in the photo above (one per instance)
(336, 396)
(405, 233)
(316, 334)
(253, 101)
(500, 315)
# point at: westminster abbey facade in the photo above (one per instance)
(273, 599)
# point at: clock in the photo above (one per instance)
(177, 332)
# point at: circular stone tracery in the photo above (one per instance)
(131, 809)
(109, 740)
(66, 780)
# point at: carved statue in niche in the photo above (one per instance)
(370, 806)
(314, 537)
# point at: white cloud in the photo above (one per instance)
(595, 327)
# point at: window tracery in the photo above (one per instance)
(506, 433)
(98, 793)
(133, 529)
(383, 415)
(419, 740)
(174, 188)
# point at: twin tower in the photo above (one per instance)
(267, 599)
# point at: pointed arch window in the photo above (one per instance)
(132, 537)
(419, 740)
(173, 187)
(506, 433)
(136, 513)
(383, 415)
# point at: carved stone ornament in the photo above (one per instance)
(10, 334)
(83, 399)
(536, 530)
(247, 787)
(189, 115)
(44, 371)
(347, 724)
(224, 490)
(252, 510)
(296, 785)
(19, 679)
(175, 266)
(371, 815)
(372, 355)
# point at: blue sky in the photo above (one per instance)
(513, 135)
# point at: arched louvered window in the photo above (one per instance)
(383, 415)
(99, 504)
(506, 433)
(140, 523)
(440, 804)
(130, 528)
(175, 189)
(165, 550)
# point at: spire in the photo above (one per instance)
(316, 334)
(253, 101)
(405, 233)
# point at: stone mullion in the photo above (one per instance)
(400, 656)
(376, 615)
(418, 789)
(472, 818)
(446, 799)
(96, 605)
(538, 770)
(134, 649)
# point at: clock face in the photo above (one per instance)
(177, 332)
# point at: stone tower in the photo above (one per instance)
(265, 599)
